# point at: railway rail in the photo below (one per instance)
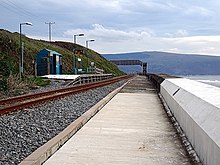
(15, 103)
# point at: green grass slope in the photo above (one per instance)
(10, 53)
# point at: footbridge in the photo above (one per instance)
(132, 62)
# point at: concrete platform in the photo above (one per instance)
(62, 77)
(131, 129)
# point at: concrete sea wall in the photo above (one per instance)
(196, 106)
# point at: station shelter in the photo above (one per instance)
(49, 62)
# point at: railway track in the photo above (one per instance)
(12, 104)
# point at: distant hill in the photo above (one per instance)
(171, 63)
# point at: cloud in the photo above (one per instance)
(178, 33)
(141, 6)
(207, 45)
(109, 34)
(122, 25)
(197, 10)
(112, 40)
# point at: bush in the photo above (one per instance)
(39, 81)
(15, 86)
(3, 84)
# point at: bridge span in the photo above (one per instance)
(132, 62)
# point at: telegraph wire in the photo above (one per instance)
(22, 9)
(12, 9)
(15, 7)
(18, 10)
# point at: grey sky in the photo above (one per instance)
(121, 25)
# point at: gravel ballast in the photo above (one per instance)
(24, 131)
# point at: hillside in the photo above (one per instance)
(9, 54)
(172, 63)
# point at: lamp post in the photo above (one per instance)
(21, 63)
(87, 46)
(75, 35)
(74, 63)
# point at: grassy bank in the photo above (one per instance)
(10, 56)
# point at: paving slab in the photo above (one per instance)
(132, 129)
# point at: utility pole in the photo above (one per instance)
(50, 23)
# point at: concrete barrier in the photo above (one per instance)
(196, 106)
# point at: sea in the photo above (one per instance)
(213, 80)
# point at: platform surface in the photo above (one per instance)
(132, 129)
(62, 77)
